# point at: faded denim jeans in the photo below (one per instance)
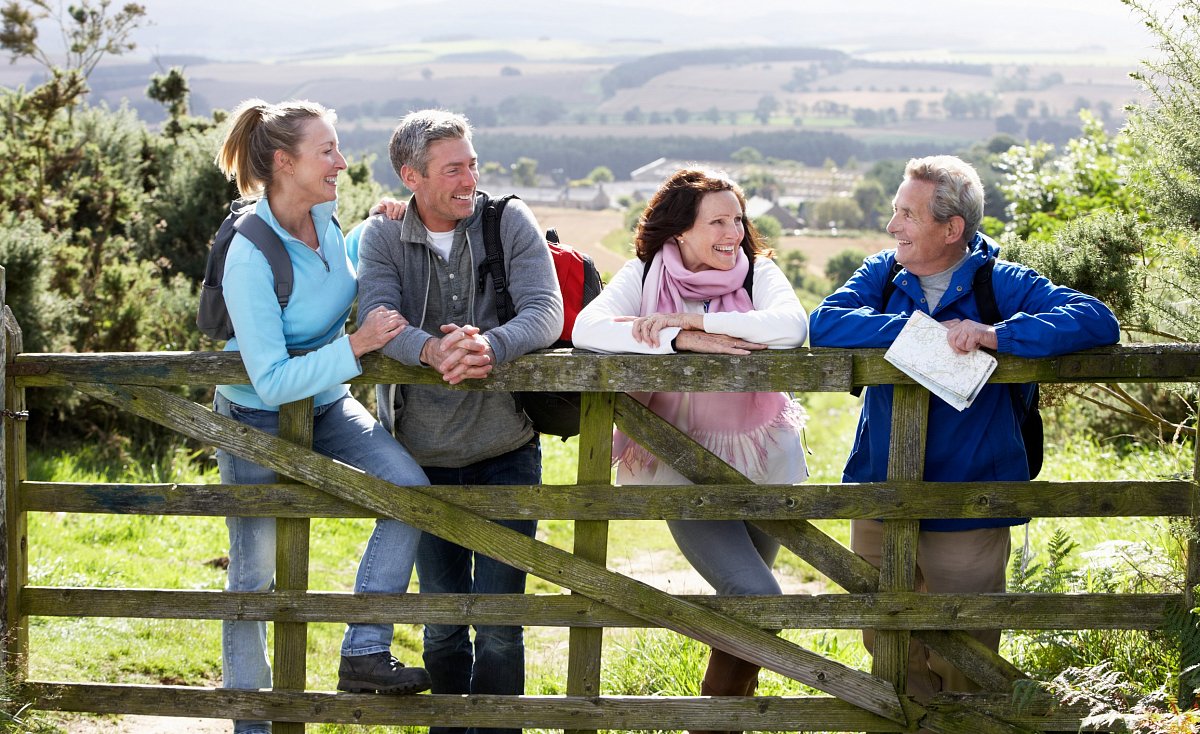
(345, 431)
(496, 662)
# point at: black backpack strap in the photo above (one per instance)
(1025, 396)
(889, 285)
(985, 294)
(253, 228)
(493, 263)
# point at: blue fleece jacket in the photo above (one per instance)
(983, 442)
(313, 322)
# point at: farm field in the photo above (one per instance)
(585, 230)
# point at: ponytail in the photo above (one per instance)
(257, 130)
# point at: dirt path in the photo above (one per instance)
(146, 725)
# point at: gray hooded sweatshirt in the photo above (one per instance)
(397, 268)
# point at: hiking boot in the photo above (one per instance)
(380, 673)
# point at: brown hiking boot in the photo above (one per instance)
(380, 673)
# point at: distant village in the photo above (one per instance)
(797, 186)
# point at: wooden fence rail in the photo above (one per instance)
(881, 599)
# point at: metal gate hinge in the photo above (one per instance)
(20, 415)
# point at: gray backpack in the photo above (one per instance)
(212, 317)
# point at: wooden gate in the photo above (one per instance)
(884, 600)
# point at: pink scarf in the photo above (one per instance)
(721, 422)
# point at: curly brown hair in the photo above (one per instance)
(674, 207)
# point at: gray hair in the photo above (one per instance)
(418, 130)
(957, 192)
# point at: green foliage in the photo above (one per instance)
(769, 228)
(1170, 179)
(524, 171)
(1101, 252)
(1046, 191)
(842, 265)
(836, 211)
(794, 264)
(1151, 565)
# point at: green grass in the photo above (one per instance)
(172, 552)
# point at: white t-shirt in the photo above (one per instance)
(441, 242)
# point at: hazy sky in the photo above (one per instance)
(266, 28)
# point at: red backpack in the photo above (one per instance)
(556, 413)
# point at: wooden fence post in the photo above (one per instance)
(898, 571)
(1189, 656)
(591, 539)
(15, 523)
(291, 568)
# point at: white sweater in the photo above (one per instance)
(778, 320)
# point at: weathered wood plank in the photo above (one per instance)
(472, 531)
(623, 713)
(16, 524)
(775, 369)
(898, 570)
(595, 501)
(771, 713)
(591, 539)
(6, 490)
(789, 611)
(806, 370)
(1189, 659)
(290, 670)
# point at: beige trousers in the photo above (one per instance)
(967, 561)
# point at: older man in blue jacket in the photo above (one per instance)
(937, 212)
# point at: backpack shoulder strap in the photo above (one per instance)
(253, 228)
(493, 263)
(889, 285)
(748, 281)
(985, 294)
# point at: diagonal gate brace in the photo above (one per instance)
(473, 531)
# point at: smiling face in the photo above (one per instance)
(446, 192)
(713, 240)
(311, 171)
(924, 245)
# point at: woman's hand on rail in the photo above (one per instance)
(646, 328)
(378, 328)
(700, 341)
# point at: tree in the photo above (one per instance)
(525, 172)
(836, 211)
(841, 266)
(769, 228)
(767, 106)
(89, 31)
(746, 155)
(872, 201)
(760, 183)
(171, 90)
(601, 174)
(794, 264)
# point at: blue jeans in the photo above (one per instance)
(345, 431)
(497, 662)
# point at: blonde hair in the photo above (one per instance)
(256, 131)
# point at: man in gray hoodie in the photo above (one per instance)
(427, 266)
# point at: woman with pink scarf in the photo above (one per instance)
(687, 291)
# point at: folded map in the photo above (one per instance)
(922, 352)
